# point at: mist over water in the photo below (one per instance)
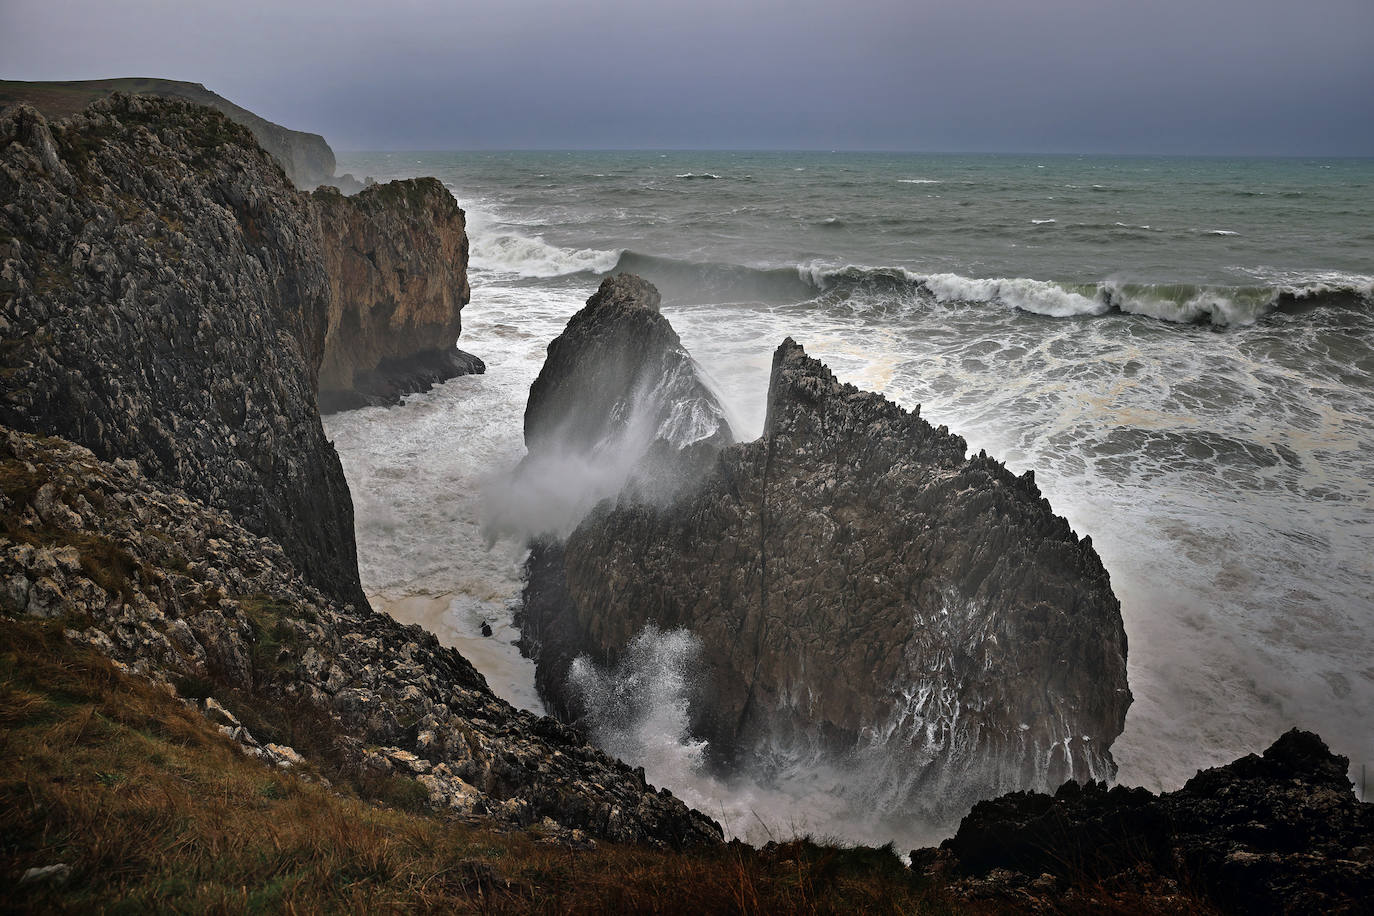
(1224, 469)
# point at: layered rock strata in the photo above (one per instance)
(618, 408)
(175, 590)
(397, 257)
(165, 300)
(1277, 833)
(864, 593)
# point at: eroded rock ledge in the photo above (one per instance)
(177, 591)
(861, 590)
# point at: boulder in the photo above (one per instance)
(1277, 833)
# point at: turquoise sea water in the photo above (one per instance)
(1182, 349)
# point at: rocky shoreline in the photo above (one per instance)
(174, 316)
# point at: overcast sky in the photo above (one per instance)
(1146, 76)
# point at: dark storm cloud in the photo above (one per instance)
(1191, 76)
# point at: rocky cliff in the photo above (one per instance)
(618, 408)
(166, 301)
(397, 257)
(863, 591)
(1278, 833)
(176, 591)
(306, 157)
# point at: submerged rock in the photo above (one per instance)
(865, 595)
(1278, 833)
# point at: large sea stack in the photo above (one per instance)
(863, 593)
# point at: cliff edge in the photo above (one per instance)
(166, 301)
(306, 157)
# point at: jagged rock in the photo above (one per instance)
(1280, 833)
(168, 303)
(860, 589)
(282, 756)
(148, 560)
(397, 257)
(618, 408)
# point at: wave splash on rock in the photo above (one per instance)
(867, 598)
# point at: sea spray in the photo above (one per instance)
(640, 710)
(1223, 470)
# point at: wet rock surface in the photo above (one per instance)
(1280, 832)
(618, 377)
(619, 409)
(165, 300)
(397, 257)
(177, 591)
(862, 591)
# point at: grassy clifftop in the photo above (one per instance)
(307, 158)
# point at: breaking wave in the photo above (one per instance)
(525, 256)
(691, 282)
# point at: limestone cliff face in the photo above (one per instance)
(164, 298)
(862, 590)
(397, 257)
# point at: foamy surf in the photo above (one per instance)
(1223, 472)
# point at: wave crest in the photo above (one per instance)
(525, 256)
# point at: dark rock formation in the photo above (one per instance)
(618, 408)
(177, 591)
(165, 300)
(862, 591)
(306, 157)
(397, 257)
(618, 375)
(1278, 833)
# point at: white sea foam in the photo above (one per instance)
(1038, 296)
(919, 181)
(525, 256)
(1216, 232)
(641, 711)
(1042, 222)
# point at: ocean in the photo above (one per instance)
(1181, 349)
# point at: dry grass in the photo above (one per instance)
(155, 811)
